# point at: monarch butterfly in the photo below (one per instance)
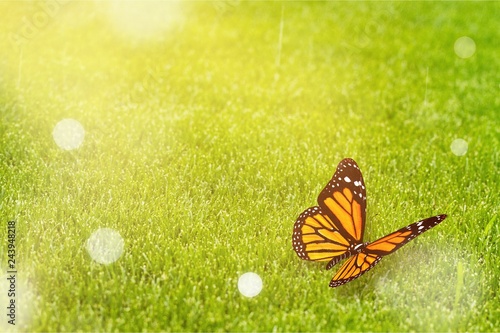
(333, 230)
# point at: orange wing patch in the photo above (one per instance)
(389, 242)
(347, 211)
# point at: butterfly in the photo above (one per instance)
(333, 230)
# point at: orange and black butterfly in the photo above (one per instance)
(333, 230)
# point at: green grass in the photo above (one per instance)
(204, 144)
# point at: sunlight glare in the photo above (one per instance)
(144, 19)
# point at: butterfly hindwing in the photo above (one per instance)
(316, 238)
(353, 268)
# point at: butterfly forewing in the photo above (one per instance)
(390, 243)
(344, 201)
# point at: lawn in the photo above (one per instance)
(208, 127)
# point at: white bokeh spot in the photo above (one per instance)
(459, 147)
(465, 47)
(250, 284)
(68, 134)
(105, 246)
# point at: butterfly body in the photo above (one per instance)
(333, 230)
(350, 252)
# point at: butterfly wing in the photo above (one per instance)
(344, 201)
(331, 231)
(354, 267)
(315, 236)
(371, 254)
(390, 243)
